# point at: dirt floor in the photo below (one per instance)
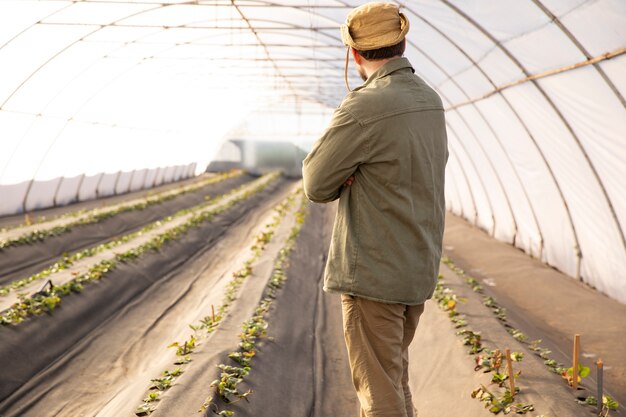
(303, 371)
(96, 355)
(74, 361)
(545, 303)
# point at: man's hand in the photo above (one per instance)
(349, 181)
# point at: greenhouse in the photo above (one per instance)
(160, 255)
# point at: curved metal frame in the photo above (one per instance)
(513, 111)
(565, 123)
(480, 179)
(493, 132)
(326, 99)
(469, 186)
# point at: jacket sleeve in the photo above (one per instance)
(334, 157)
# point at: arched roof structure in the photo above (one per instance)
(534, 92)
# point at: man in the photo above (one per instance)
(383, 156)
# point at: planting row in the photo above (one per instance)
(267, 245)
(227, 389)
(74, 271)
(115, 334)
(492, 360)
(30, 233)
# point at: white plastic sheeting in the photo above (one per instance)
(100, 97)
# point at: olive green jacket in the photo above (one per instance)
(390, 134)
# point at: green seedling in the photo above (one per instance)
(502, 403)
(568, 374)
(152, 397)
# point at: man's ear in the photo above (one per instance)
(357, 58)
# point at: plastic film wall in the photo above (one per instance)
(534, 92)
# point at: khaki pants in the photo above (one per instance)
(377, 337)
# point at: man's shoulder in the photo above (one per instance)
(390, 96)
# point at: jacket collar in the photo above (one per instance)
(388, 68)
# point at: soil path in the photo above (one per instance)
(115, 333)
(302, 371)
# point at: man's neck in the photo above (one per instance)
(371, 67)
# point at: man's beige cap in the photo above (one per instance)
(373, 26)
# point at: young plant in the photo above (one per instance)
(568, 374)
(608, 404)
(501, 403)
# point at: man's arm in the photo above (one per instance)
(334, 158)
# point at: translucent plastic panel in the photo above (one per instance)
(14, 126)
(424, 67)
(122, 34)
(335, 14)
(12, 198)
(598, 234)
(89, 187)
(288, 15)
(537, 181)
(87, 85)
(453, 200)
(150, 178)
(107, 184)
(19, 15)
(536, 50)
(500, 68)
(600, 26)
(473, 82)
(484, 214)
(188, 15)
(526, 230)
(561, 7)
(466, 200)
(139, 51)
(35, 95)
(123, 183)
(437, 47)
(96, 13)
(168, 174)
(452, 92)
(501, 224)
(42, 42)
(68, 190)
(31, 151)
(161, 176)
(454, 26)
(599, 120)
(504, 19)
(307, 52)
(148, 1)
(308, 39)
(41, 194)
(315, 3)
(211, 52)
(69, 156)
(174, 36)
(615, 69)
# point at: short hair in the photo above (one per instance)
(384, 53)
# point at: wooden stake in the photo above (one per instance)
(213, 313)
(600, 387)
(575, 361)
(509, 367)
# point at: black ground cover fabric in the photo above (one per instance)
(302, 371)
(28, 348)
(22, 261)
